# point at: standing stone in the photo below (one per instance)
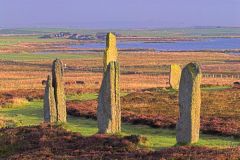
(111, 52)
(58, 85)
(188, 125)
(109, 109)
(175, 75)
(50, 112)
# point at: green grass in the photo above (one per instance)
(82, 97)
(204, 88)
(12, 40)
(87, 96)
(34, 57)
(215, 88)
(32, 114)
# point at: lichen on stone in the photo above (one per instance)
(50, 111)
(175, 75)
(111, 52)
(109, 109)
(59, 93)
(188, 125)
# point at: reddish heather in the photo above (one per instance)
(51, 142)
(219, 116)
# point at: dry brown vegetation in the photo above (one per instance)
(139, 70)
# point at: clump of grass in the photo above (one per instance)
(88, 96)
(6, 123)
(82, 97)
(215, 87)
(16, 102)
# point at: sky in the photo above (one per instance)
(108, 14)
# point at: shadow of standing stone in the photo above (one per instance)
(58, 85)
(109, 109)
(50, 112)
(175, 75)
(188, 125)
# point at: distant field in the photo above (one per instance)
(164, 32)
(12, 40)
(31, 57)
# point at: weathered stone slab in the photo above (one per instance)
(175, 75)
(50, 112)
(111, 52)
(188, 125)
(58, 85)
(109, 109)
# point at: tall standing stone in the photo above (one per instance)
(109, 110)
(50, 112)
(175, 75)
(188, 125)
(111, 52)
(58, 85)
